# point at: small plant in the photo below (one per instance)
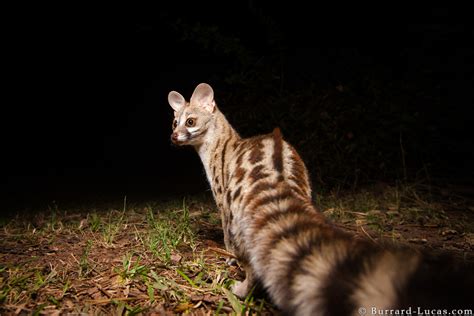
(94, 222)
(125, 309)
(249, 306)
(112, 227)
(237, 306)
(169, 230)
(84, 265)
(131, 269)
(54, 223)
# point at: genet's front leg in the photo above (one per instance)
(226, 230)
(229, 245)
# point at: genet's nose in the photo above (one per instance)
(174, 136)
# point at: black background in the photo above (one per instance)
(85, 114)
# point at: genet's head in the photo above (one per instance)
(191, 119)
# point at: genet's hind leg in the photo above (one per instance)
(242, 289)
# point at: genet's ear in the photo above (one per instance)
(203, 96)
(176, 100)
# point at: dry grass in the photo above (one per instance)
(167, 258)
(408, 214)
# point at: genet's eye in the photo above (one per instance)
(175, 123)
(190, 122)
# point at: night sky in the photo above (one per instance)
(85, 114)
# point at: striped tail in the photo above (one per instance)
(308, 267)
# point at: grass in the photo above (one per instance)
(168, 257)
(139, 259)
(408, 214)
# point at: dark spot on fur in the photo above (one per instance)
(236, 194)
(239, 174)
(240, 158)
(224, 180)
(277, 150)
(228, 197)
(256, 154)
(257, 173)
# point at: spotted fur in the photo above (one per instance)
(307, 266)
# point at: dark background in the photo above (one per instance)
(366, 94)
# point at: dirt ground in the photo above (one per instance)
(168, 257)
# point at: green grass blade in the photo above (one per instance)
(186, 278)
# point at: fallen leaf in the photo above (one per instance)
(418, 240)
(182, 307)
(176, 258)
(449, 232)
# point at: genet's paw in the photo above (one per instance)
(240, 289)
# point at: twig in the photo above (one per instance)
(419, 225)
(356, 213)
(365, 232)
(193, 288)
(110, 300)
(106, 293)
(222, 252)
